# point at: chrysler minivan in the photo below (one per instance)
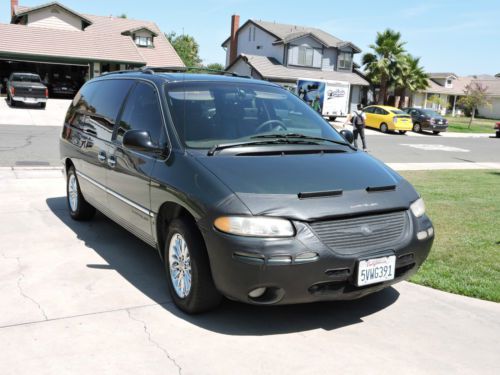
(243, 189)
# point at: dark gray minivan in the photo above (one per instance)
(243, 189)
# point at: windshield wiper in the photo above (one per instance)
(301, 136)
(223, 146)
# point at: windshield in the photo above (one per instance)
(398, 112)
(211, 113)
(429, 112)
(25, 78)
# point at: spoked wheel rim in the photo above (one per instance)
(179, 262)
(416, 128)
(73, 192)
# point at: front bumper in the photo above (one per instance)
(29, 100)
(242, 264)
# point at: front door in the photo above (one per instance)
(129, 173)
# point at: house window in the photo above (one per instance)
(345, 60)
(144, 41)
(306, 55)
(251, 34)
(449, 83)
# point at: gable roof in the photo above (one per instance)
(270, 68)
(285, 33)
(20, 11)
(102, 40)
(139, 28)
(441, 75)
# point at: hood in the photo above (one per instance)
(270, 185)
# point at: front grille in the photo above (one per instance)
(354, 235)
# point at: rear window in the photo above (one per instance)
(398, 112)
(26, 78)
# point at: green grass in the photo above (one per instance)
(465, 209)
(479, 125)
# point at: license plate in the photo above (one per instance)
(371, 271)
(30, 100)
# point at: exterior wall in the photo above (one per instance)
(241, 68)
(261, 45)
(329, 59)
(54, 18)
(492, 112)
(293, 51)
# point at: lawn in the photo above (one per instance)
(479, 125)
(465, 209)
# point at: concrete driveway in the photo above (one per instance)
(31, 115)
(80, 298)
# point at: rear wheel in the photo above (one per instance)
(383, 127)
(188, 269)
(42, 105)
(79, 208)
(417, 128)
(435, 132)
(11, 101)
(402, 132)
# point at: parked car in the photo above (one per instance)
(427, 119)
(64, 87)
(386, 118)
(27, 88)
(244, 190)
(497, 129)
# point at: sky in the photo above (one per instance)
(459, 36)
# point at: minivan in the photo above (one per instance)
(244, 190)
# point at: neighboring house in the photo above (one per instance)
(54, 41)
(451, 87)
(284, 53)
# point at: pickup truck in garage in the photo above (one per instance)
(27, 88)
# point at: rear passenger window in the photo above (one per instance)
(142, 112)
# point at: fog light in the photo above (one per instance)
(430, 231)
(422, 235)
(257, 292)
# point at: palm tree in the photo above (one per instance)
(409, 76)
(382, 64)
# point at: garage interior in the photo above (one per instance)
(48, 72)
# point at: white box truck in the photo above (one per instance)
(330, 98)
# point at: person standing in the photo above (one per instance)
(357, 119)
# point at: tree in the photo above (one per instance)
(438, 101)
(409, 75)
(476, 95)
(123, 15)
(215, 66)
(186, 47)
(382, 64)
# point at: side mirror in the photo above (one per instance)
(140, 140)
(347, 134)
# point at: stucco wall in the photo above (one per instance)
(492, 112)
(54, 18)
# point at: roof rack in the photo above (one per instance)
(175, 69)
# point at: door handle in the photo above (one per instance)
(101, 156)
(112, 161)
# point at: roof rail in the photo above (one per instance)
(175, 69)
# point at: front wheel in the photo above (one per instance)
(11, 102)
(188, 269)
(384, 128)
(417, 128)
(79, 208)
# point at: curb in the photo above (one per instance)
(34, 168)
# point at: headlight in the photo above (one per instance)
(418, 207)
(254, 226)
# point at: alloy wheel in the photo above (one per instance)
(73, 192)
(179, 261)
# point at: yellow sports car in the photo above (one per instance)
(387, 118)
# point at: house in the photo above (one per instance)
(55, 41)
(450, 87)
(284, 53)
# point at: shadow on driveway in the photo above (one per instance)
(141, 266)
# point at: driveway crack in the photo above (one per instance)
(21, 290)
(150, 339)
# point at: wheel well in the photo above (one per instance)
(68, 164)
(168, 212)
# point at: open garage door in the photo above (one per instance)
(63, 80)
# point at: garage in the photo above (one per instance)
(62, 80)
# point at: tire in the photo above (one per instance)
(79, 208)
(384, 128)
(11, 102)
(200, 295)
(402, 132)
(417, 128)
(332, 118)
(435, 132)
(43, 105)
